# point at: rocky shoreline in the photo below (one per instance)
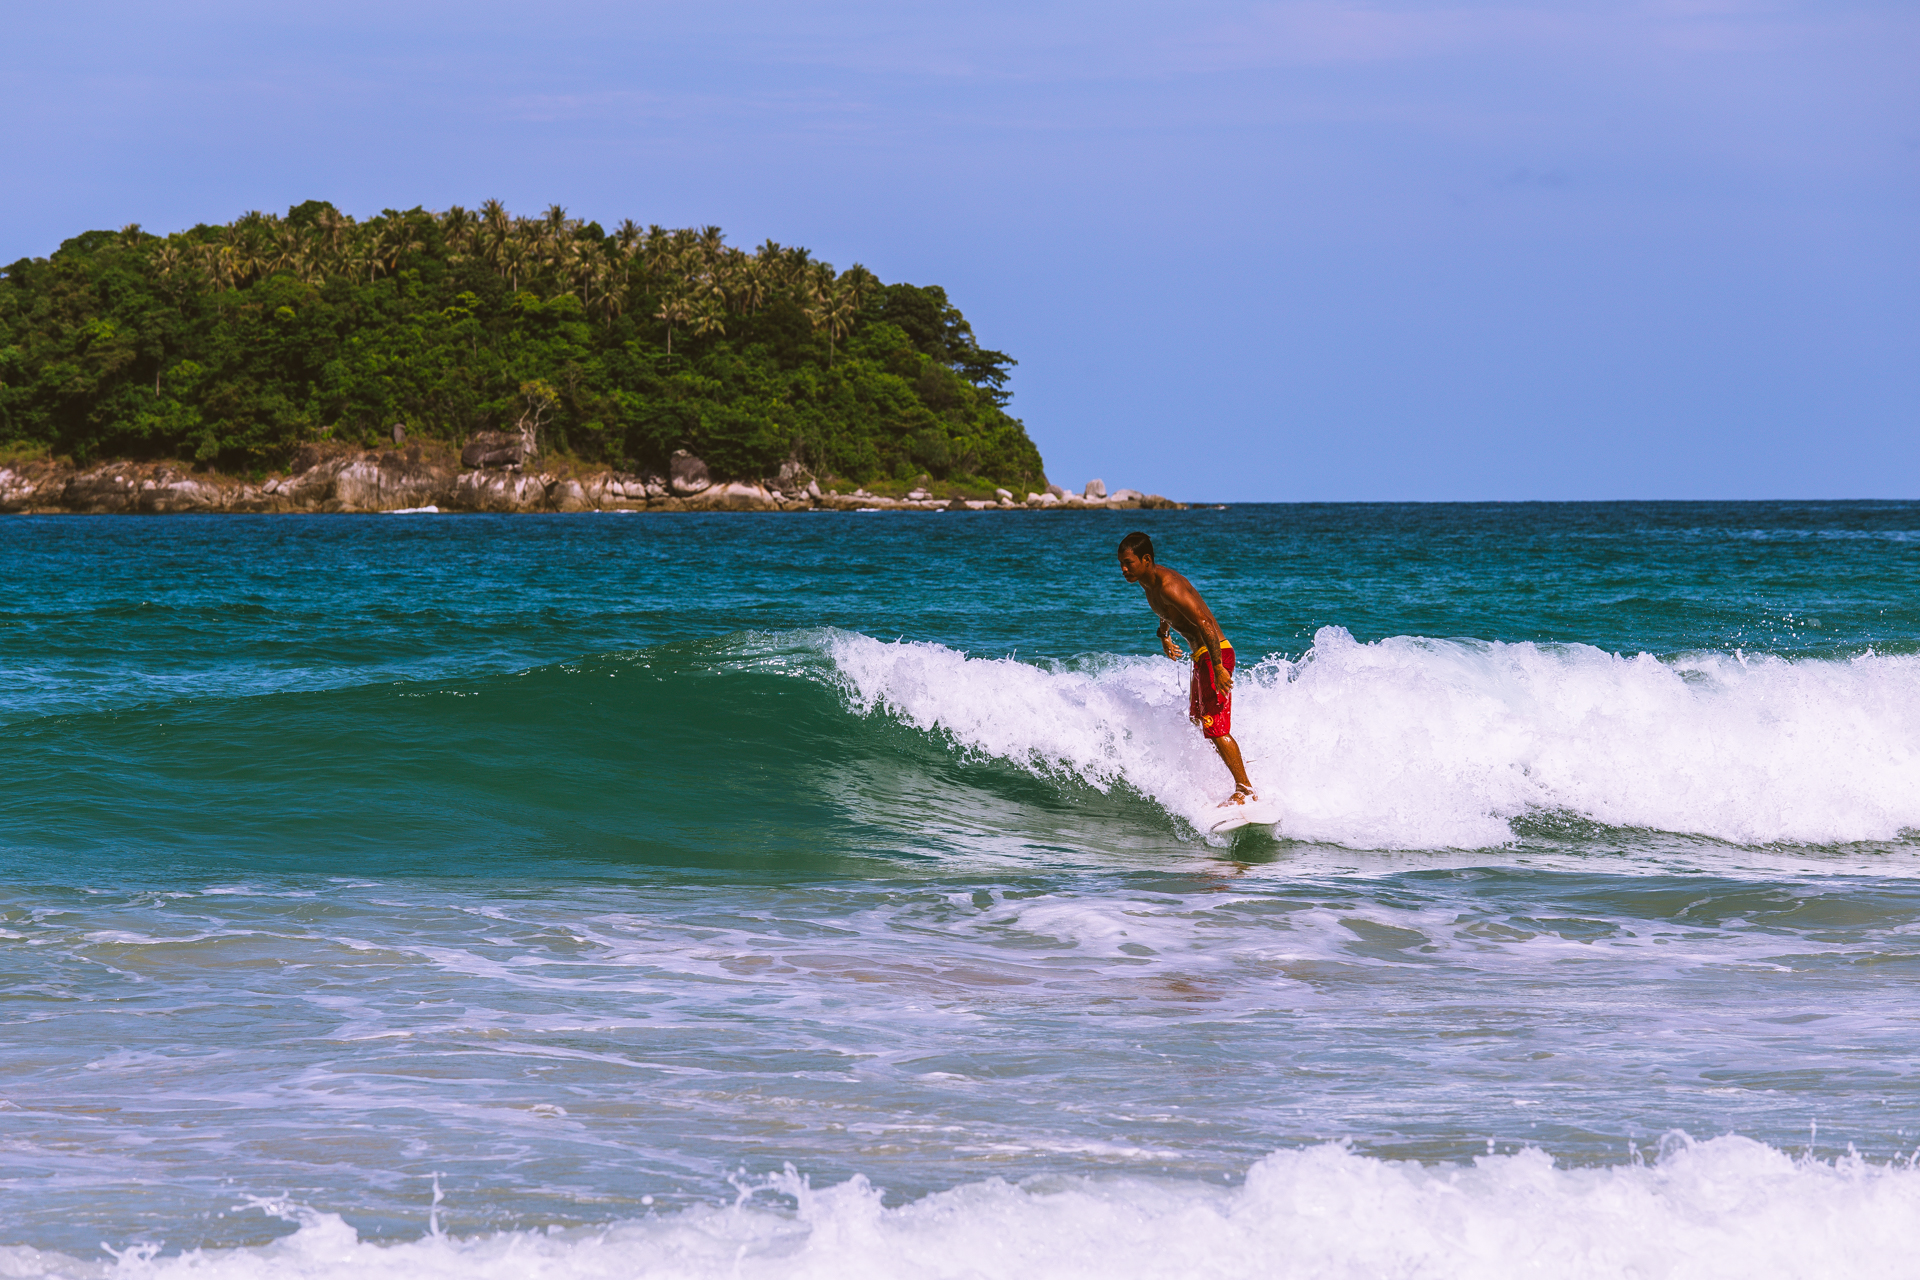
(495, 472)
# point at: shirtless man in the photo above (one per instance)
(1210, 704)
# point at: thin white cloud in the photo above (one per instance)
(1311, 32)
(814, 109)
(1121, 40)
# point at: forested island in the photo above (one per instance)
(272, 343)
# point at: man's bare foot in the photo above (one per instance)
(1241, 794)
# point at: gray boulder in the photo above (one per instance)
(389, 482)
(1096, 490)
(478, 491)
(103, 489)
(794, 476)
(508, 450)
(19, 489)
(569, 495)
(167, 491)
(687, 475)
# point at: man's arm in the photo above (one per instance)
(1168, 645)
(1222, 673)
(1216, 643)
(1188, 600)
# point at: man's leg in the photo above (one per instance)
(1230, 752)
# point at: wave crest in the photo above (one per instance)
(1729, 1207)
(1419, 743)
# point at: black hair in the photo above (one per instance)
(1138, 543)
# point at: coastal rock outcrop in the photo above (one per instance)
(17, 489)
(104, 489)
(351, 480)
(389, 481)
(332, 477)
(507, 449)
(500, 491)
(125, 488)
(1096, 497)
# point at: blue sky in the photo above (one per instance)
(1308, 249)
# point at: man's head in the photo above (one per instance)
(1136, 555)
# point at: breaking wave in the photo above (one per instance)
(1419, 743)
(1730, 1207)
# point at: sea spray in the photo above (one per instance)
(1411, 742)
(1729, 1207)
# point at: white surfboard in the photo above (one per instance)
(1254, 813)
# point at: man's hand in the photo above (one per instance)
(1222, 677)
(1171, 647)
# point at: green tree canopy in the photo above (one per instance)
(232, 345)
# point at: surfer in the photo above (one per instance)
(1210, 701)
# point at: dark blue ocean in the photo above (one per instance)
(830, 895)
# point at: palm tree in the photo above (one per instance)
(216, 261)
(363, 254)
(175, 261)
(244, 257)
(750, 285)
(400, 235)
(456, 228)
(513, 260)
(794, 266)
(709, 316)
(604, 288)
(816, 292)
(833, 302)
(494, 231)
(334, 231)
(570, 262)
(383, 245)
(860, 282)
(657, 249)
(304, 260)
(673, 309)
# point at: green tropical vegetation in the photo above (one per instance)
(231, 346)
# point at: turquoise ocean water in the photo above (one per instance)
(744, 895)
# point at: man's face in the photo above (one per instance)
(1131, 565)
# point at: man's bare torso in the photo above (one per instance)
(1171, 596)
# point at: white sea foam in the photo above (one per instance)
(1416, 743)
(1729, 1207)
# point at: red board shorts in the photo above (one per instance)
(1207, 706)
